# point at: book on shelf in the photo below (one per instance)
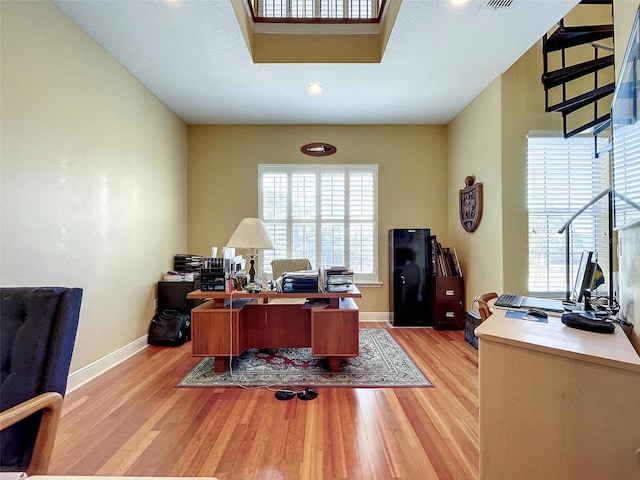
(457, 262)
(452, 261)
(448, 264)
(434, 255)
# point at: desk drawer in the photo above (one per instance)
(448, 316)
(448, 288)
(335, 332)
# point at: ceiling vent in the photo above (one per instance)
(497, 4)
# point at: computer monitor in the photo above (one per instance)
(584, 277)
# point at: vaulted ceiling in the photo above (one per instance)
(193, 56)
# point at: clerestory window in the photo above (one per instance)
(316, 9)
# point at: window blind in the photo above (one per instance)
(626, 173)
(563, 176)
(326, 213)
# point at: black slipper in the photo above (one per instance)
(307, 394)
(285, 394)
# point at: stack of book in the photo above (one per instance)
(447, 263)
(338, 279)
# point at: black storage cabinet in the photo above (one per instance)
(173, 296)
(410, 271)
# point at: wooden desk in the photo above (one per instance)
(556, 402)
(229, 323)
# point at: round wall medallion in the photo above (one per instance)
(318, 149)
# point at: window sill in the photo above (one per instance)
(369, 284)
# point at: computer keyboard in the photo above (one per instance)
(509, 300)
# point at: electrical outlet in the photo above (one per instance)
(155, 303)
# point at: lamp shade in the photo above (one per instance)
(251, 233)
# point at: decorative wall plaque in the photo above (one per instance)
(470, 204)
(318, 149)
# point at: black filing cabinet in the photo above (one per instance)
(173, 295)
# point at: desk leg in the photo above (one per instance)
(334, 364)
(221, 364)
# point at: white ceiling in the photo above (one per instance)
(191, 54)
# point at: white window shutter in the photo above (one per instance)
(326, 213)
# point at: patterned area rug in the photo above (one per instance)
(382, 363)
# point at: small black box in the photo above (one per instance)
(471, 321)
(212, 280)
(212, 275)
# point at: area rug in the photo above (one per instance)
(382, 363)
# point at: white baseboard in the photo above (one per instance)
(375, 316)
(93, 370)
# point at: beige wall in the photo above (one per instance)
(488, 139)
(412, 179)
(93, 176)
(474, 139)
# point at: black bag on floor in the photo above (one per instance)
(169, 328)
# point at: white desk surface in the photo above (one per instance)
(12, 475)
(101, 477)
(556, 338)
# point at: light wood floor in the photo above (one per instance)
(133, 421)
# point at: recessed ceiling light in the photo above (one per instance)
(458, 3)
(315, 88)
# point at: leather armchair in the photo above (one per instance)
(38, 327)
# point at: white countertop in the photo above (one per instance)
(554, 337)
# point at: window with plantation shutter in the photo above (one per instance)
(326, 213)
(563, 176)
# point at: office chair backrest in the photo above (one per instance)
(281, 265)
(483, 307)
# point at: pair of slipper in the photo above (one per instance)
(304, 394)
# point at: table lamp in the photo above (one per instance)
(253, 235)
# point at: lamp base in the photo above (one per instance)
(252, 270)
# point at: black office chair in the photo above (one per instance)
(38, 328)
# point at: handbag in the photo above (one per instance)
(169, 328)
